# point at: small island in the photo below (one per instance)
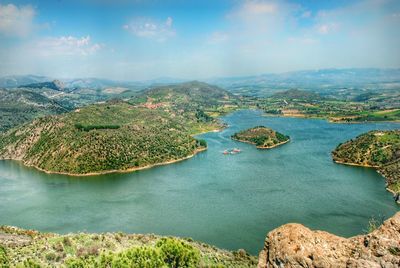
(262, 137)
(377, 149)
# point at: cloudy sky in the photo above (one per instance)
(145, 39)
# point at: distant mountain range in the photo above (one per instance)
(19, 80)
(35, 81)
(304, 79)
(312, 78)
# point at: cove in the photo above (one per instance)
(230, 201)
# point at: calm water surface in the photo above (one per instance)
(229, 201)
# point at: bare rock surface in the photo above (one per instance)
(294, 245)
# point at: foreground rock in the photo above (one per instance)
(293, 245)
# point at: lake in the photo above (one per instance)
(230, 201)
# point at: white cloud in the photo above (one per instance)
(327, 28)
(218, 37)
(306, 14)
(303, 40)
(148, 28)
(16, 21)
(259, 7)
(67, 45)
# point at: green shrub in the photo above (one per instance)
(51, 256)
(144, 257)
(88, 128)
(3, 258)
(79, 263)
(29, 264)
(140, 257)
(202, 143)
(177, 253)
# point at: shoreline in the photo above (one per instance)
(355, 164)
(376, 168)
(329, 120)
(133, 169)
(262, 147)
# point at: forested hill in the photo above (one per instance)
(379, 149)
(296, 94)
(117, 135)
(189, 96)
(19, 106)
(262, 137)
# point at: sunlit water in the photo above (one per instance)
(230, 201)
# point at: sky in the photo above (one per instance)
(148, 39)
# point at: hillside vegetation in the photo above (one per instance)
(370, 106)
(378, 149)
(21, 106)
(262, 137)
(26, 248)
(117, 135)
(190, 97)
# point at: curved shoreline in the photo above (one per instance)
(329, 120)
(376, 168)
(133, 169)
(262, 147)
(354, 164)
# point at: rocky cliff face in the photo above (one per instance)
(293, 245)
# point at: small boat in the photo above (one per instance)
(232, 151)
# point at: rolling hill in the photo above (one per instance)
(378, 149)
(20, 106)
(117, 135)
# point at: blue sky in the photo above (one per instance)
(138, 39)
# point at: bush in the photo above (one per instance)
(177, 253)
(202, 143)
(168, 252)
(88, 128)
(3, 258)
(30, 264)
(144, 257)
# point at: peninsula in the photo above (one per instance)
(262, 137)
(153, 128)
(377, 149)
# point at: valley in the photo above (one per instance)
(107, 133)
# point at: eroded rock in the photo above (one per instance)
(294, 245)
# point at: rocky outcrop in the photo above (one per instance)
(294, 245)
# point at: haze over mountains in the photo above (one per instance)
(305, 79)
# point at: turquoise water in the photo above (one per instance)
(230, 201)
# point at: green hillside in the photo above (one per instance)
(27, 248)
(262, 137)
(296, 94)
(190, 97)
(20, 106)
(117, 135)
(379, 149)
